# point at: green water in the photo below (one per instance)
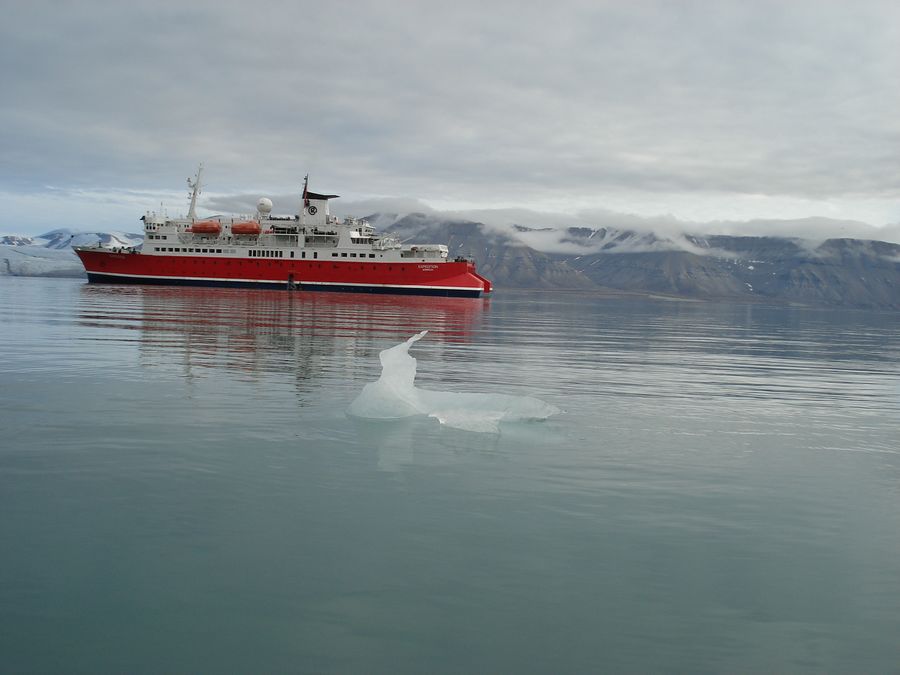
(182, 491)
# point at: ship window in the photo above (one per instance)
(218, 250)
(371, 255)
(352, 255)
(334, 255)
(315, 254)
(203, 250)
(343, 255)
(292, 254)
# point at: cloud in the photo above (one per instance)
(694, 109)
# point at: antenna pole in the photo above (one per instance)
(304, 199)
(194, 185)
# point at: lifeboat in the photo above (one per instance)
(246, 227)
(206, 227)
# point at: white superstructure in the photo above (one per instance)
(312, 234)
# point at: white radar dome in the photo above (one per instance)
(264, 205)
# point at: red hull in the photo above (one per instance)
(443, 278)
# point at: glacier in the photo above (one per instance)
(395, 396)
(51, 254)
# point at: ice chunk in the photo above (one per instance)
(394, 395)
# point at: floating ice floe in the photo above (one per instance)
(394, 395)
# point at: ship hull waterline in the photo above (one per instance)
(447, 279)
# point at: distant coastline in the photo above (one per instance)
(853, 273)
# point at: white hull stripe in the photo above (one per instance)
(283, 282)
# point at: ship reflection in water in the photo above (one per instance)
(253, 331)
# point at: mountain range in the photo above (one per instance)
(835, 272)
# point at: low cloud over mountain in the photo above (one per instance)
(842, 271)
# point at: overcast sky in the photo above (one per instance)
(697, 111)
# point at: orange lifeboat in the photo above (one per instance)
(206, 227)
(246, 227)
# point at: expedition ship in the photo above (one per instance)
(310, 251)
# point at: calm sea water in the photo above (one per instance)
(182, 491)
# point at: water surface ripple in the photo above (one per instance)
(181, 489)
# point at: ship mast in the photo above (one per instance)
(194, 185)
(304, 199)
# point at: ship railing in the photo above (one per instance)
(278, 239)
(422, 254)
(385, 243)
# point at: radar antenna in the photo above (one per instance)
(194, 186)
